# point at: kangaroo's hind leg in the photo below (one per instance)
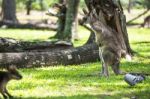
(4, 94)
(116, 67)
(104, 71)
(10, 96)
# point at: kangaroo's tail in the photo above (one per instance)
(128, 57)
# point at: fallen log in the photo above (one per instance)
(13, 45)
(5, 24)
(83, 54)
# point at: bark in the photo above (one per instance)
(29, 6)
(71, 16)
(9, 11)
(122, 29)
(87, 53)
(75, 35)
(129, 5)
(111, 15)
(61, 19)
(12, 45)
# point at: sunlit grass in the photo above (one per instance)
(73, 82)
(41, 35)
(82, 81)
(139, 34)
(26, 34)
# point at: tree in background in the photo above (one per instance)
(71, 20)
(114, 19)
(43, 5)
(61, 6)
(29, 6)
(67, 19)
(9, 11)
(145, 3)
(129, 6)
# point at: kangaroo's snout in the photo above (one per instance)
(5, 77)
(17, 76)
(14, 73)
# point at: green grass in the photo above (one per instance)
(26, 34)
(82, 81)
(40, 35)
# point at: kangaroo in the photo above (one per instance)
(5, 77)
(146, 21)
(110, 51)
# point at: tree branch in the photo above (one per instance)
(138, 16)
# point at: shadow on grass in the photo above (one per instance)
(142, 46)
(124, 95)
(80, 74)
(139, 67)
(66, 73)
(142, 42)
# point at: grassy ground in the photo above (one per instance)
(40, 35)
(82, 81)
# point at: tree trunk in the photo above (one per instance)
(29, 6)
(67, 19)
(129, 5)
(9, 11)
(113, 17)
(13, 45)
(71, 17)
(8, 24)
(122, 29)
(61, 19)
(75, 35)
(87, 53)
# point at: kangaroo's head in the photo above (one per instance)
(14, 74)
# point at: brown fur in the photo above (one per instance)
(110, 49)
(5, 77)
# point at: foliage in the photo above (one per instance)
(21, 4)
(147, 4)
(137, 4)
(82, 81)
